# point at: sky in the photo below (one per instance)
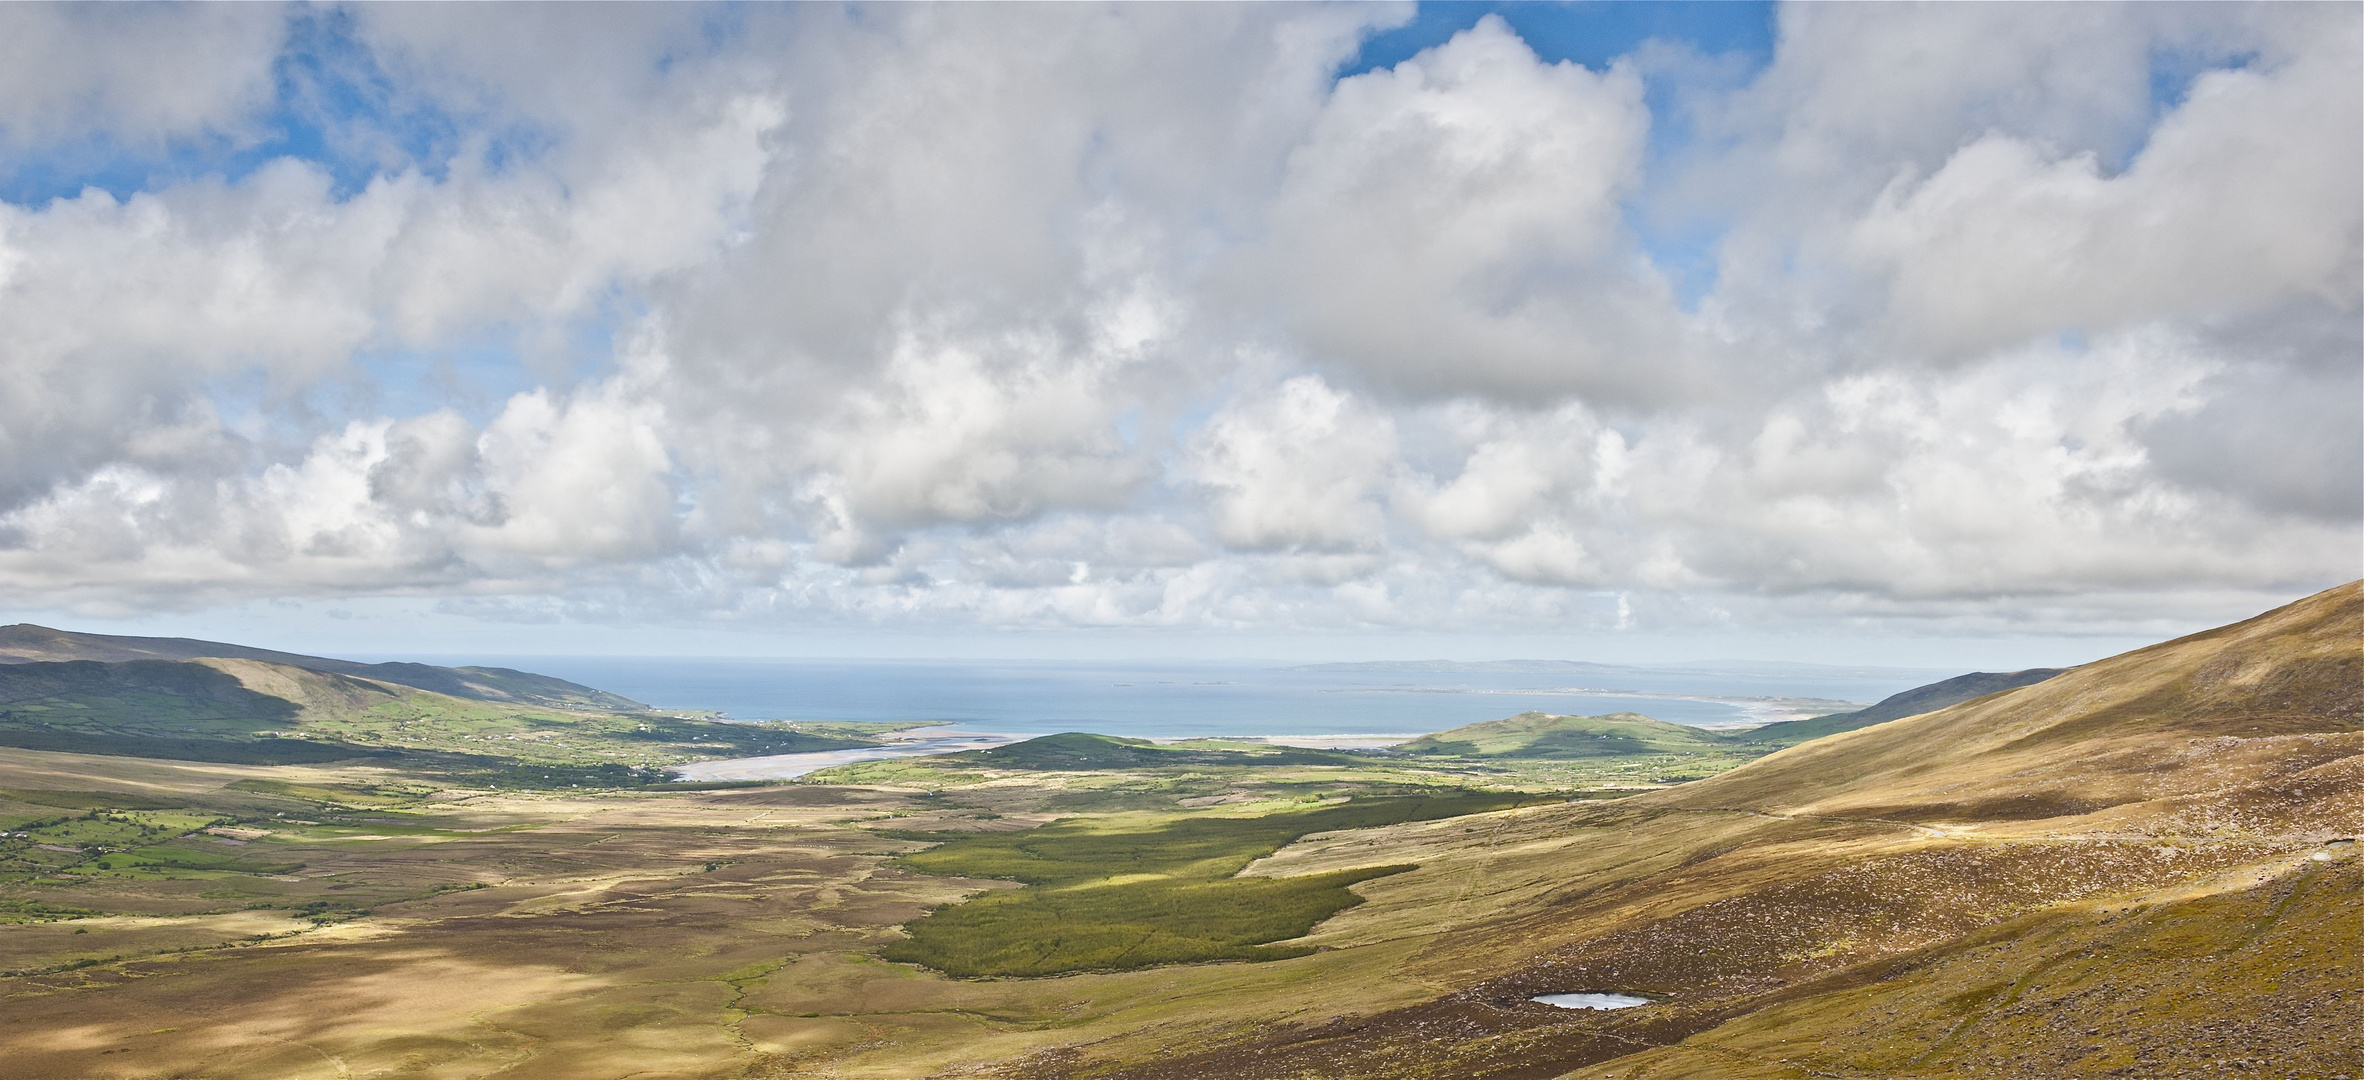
(1960, 334)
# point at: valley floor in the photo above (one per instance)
(736, 933)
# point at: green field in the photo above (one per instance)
(1119, 893)
(1542, 735)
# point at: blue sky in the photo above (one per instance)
(1591, 33)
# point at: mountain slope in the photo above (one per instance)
(2236, 704)
(2140, 867)
(1542, 735)
(27, 643)
(258, 712)
(1913, 702)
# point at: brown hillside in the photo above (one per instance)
(2219, 712)
(2136, 868)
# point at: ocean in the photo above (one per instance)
(1172, 700)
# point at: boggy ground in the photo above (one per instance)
(612, 950)
(611, 935)
(735, 933)
(369, 925)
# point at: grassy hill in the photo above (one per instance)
(259, 712)
(187, 699)
(27, 643)
(2120, 731)
(1542, 735)
(1913, 702)
(1082, 751)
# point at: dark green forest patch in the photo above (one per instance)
(1109, 896)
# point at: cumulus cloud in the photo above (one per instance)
(1453, 225)
(2242, 196)
(1140, 316)
(2024, 474)
(949, 434)
(119, 318)
(1297, 468)
(1537, 496)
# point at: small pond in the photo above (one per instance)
(1591, 1001)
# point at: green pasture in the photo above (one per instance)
(1124, 892)
(1130, 925)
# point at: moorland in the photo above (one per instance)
(2144, 866)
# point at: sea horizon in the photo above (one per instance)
(1180, 699)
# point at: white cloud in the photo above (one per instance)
(2244, 195)
(583, 479)
(117, 316)
(1296, 468)
(1453, 225)
(1135, 316)
(142, 75)
(2022, 475)
(1856, 89)
(950, 435)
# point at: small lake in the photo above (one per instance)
(1591, 1001)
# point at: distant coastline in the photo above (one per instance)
(1179, 700)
